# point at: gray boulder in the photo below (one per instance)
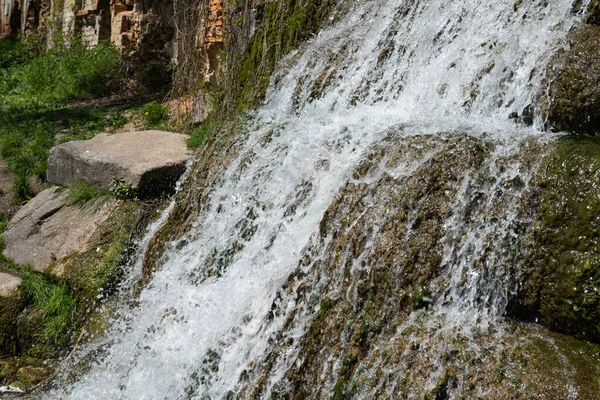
(12, 302)
(46, 229)
(151, 161)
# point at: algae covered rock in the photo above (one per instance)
(12, 301)
(561, 275)
(29, 376)
(592, 12)
(572, 102)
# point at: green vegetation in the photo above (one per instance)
(55, 298)
(121, 189)
(285, 25)
(155, 116)
(86, 195)
(35, 89)
(64, 73)
(199, 135)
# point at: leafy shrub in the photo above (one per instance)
(68, 73)
(13, 53)
(155, 115)
(122, 190)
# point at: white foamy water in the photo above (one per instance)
(428, 66)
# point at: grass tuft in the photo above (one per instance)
(85, 195)
(55, 298)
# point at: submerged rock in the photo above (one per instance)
(46, 229)
(12, 301)
(571, 100)
(151, 161)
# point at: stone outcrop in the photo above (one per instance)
(46, 229)
(12, 301)
(151, 161)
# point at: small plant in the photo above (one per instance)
(199, 135)
(121, 189)
(86, 195)
(155, 115)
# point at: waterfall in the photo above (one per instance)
(400, 87)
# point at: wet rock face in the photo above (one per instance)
(572, 102)
(213, 159)
(561, 275)
(12, 301)
(151, 161)
(383, 250)
(371, 284)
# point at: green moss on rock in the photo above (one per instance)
(572, 102)
(29, 376)
(561, 276)
(592, 13)
(280, 27)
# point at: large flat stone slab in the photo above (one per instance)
(46, 229)
(151, 161)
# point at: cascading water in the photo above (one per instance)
(228, 312)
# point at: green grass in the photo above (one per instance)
(83, 194)
(52, 296)
(55, 298)
(199, 135)
(63, 73)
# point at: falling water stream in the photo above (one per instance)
(424, 72)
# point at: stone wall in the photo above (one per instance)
(23, 16)
(126, 23)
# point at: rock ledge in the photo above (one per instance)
(151, 161)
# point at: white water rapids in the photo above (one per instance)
(428, 66)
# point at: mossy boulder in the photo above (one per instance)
(570, 100)
(30, 334)
(47, 228)
(12, 302)
(23, 372)
(561, 274)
